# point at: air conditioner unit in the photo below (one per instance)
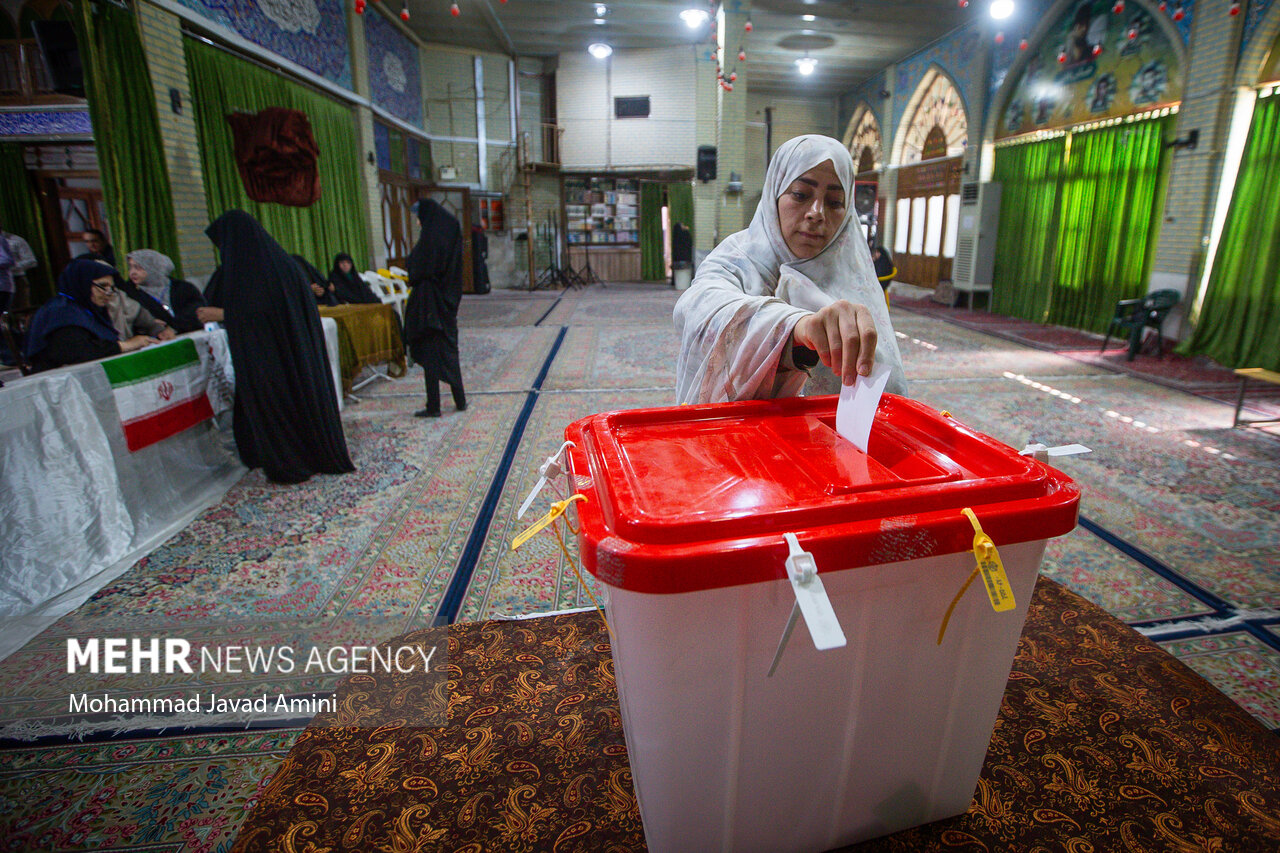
(975, 260)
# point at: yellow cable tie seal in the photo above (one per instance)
(557, 509)
(993, 575)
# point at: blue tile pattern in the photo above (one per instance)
(45, 123)
(382, 144)
(393, 69)
(955, 54)
(311, 33)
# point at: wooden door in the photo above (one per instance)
(926, 223)
(457, 200)
(69, 212)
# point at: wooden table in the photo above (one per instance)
(1261, 375)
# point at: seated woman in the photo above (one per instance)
(75, 325)
(797, 281)
(346, 283)
(129, 318)
(320, 288)
(169, 299)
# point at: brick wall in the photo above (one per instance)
(593, 138)
(162, 41)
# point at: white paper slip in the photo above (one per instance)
(858, 404)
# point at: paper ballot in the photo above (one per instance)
(858, 403)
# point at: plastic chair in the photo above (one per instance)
(1134, 316)
(14, 324)
(388, 290)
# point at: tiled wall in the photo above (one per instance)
(312, 33)
(393, 66)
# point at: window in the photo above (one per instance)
(917, 225)
(953, 226)
(902, 225)
(631, 107)
(933, 234)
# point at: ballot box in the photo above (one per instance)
(686, 523)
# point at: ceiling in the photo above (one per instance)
(851, 39)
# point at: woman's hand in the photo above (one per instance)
(137, 342)
(843, 335)
(209, 314)
(166, 334)
(317, 289)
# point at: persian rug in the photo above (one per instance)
(505, 308)
(493, 358)
(1103, 742)
(538, 578)
(162, 794)
(604, 307)
(596, 357)
(338, 560)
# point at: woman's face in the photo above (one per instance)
(344, 265)
(811, 209)
(103, 290)
(137, 274)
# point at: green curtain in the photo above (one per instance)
(222, 84)
(20, 214)
(126, 130)
(1112, 195)
(1029, 197)
(1239, 323)
(652, 267)
(680, 203)
(1078, 219)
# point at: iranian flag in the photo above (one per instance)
(159, 391)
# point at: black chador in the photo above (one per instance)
(431, 315)
(286, 410)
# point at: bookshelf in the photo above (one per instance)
(602, 211)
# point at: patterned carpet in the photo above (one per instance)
(1180, 537)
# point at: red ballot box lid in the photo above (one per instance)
(694, 497)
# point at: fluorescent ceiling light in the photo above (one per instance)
(1001, 9)
(806, 64)
(599, 50)
(601, 10)
(600, 22)
(694, 18)
(808, 17)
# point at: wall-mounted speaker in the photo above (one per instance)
(706, 163)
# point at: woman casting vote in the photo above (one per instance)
(798, 280)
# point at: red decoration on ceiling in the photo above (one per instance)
(404, 13)
(359, 7)
(1097, 49)
(742, 56)
(454, 10)
(1062, 55)
(1132, 33)
(1178, 12)
(963, 4)
(1234, 10)
(1119, 7)
(1164, 6)
(747, 26)
(1000, 38)
(1022, 45)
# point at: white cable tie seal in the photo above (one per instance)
(1041, 453)
(548, 470)
(811, 602)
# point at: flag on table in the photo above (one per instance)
(159, 391)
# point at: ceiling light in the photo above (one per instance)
(1001, 9)
(601, 10)
(599, 50)
(694, 18)
(806, 64)
(808, 17)
(600, 22)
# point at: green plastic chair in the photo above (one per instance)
(1133, 316)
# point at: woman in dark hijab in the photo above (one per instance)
(431, 315)
(320, 289)
(75, 325)
(286, 412)
(346, 283)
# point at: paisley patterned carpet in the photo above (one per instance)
(1180, 537)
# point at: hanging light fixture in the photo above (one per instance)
(599, 50)
(1001, 9)
(694, 18)
(454, 10)
(404, 11)
(806, 64)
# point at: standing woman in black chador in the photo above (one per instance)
(286, 412)
(431, 316)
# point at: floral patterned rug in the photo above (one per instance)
(1180, 538)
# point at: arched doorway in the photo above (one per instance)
(865, 143)
(935, 132)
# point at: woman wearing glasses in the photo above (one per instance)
(76, 324)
